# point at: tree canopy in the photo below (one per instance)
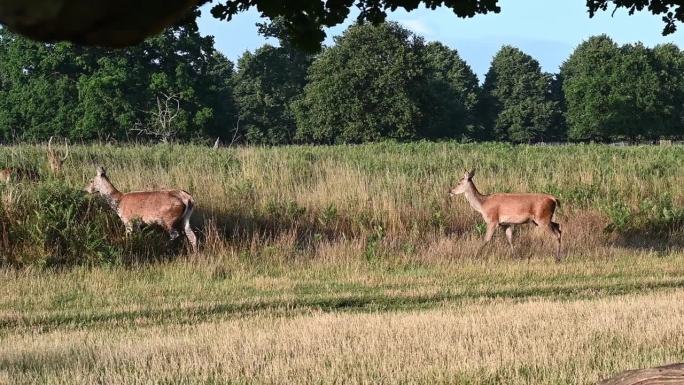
(624, 92)
(451, 94)
(364, 88)
(265, 86)
(516, 104)
(173, 85)
(377, 82)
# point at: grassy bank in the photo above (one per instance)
(383, 200)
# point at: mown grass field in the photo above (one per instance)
(349, 265)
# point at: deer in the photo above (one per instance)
(11, 174)
(506, 210)
(171, 209)
(55, 161)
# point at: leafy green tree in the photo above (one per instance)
(588, 78)
(127, 22)
(613, 92)
(451, 92)
(109, 97)
(672, 10)
(517, 103)
(366, 87)
(183, 65)
(266, 84)
(39, 81)
(306, 19)
(89, 93)
(670, 70)
(635, 102)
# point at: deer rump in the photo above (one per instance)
(168, 208)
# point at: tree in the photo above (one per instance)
(589, 89)
(670, 70)
(265, 86)
(306, 19)
(451, 91)
(365, 88)
(615, 92)
(88, 93)
(636, 102)
(183, 63)
(39, 81)
(517, 103)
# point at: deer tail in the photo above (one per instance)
(189, 203)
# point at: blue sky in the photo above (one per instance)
(548, 34)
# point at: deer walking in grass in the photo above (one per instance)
(171, 209)
(506, 210)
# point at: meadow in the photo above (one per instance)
(343, 264)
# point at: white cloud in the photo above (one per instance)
(417, 26)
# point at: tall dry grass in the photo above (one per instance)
(387, 200)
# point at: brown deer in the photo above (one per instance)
(506, 210)
(171, 209)
(55, 160)
(12, 174)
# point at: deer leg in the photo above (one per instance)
(509, 236)
(491, 227)
(192, 238)
(553, 228)
(558, 234)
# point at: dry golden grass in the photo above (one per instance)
(229, 321)
(491, 342)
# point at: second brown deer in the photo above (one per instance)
(505, 210)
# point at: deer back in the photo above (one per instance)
(163, 207)
(505, 206)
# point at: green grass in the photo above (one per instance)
(185, 292)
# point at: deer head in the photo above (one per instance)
(462, 185)
(99, 184)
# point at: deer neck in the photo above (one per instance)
(474, 198)
(111, 194)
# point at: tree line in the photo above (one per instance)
(376, 82)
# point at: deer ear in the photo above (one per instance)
(471, 174)
(100, 171)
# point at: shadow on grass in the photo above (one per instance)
(367, 302)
